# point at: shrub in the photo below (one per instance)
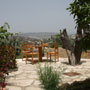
(14, 41)
(7, 62)
(7, 51)
(7, 54)
(49, 77)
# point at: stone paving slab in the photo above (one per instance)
(13, 88)
(33, 88)
(26, 78)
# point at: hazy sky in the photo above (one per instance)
(36, 15)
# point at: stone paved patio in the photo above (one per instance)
(26, 78)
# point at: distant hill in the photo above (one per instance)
(38, 35)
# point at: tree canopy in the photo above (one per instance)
(80, 9)
(81, 12)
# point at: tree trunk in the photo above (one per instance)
(78, 46)
(73, 53)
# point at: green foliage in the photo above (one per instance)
(4, 35)
(50, 77)
(7, 51)
(7, 54)
(72, 42)
(86, 42)
(80, 9)
(6, 38)
(55, 38)
(14, 41)
(81, 12)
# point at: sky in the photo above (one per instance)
(36, 15)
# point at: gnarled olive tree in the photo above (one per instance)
(80, 9)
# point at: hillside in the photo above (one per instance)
(38, 35)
